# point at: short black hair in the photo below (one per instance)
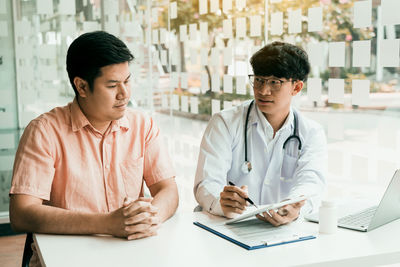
(92, 51)
(282, 60)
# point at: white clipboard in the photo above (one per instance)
(266, 208)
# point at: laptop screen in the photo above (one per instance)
(389, 207)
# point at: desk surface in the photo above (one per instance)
(180, 243)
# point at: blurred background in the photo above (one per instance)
(191, 60)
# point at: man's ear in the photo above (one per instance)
(298, 85)
(81, 86)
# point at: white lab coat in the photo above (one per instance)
(277, 174)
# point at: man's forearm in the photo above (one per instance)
(52, 220)
(166, 200)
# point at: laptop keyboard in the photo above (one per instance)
(359, 219)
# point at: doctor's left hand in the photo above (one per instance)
(284, 215)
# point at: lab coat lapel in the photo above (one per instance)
(273, 174)
(275, 165)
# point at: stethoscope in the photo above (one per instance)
(246, 168)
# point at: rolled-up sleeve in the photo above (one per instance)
(34, 169)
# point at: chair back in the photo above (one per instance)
(26, 257)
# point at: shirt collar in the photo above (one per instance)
(256, 116)
(79, 120)
(121, 123)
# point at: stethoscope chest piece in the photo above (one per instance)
(246, 167)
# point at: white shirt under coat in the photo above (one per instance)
(277, 174)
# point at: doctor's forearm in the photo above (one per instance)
(208, 198)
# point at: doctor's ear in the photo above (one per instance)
(298, 85)
(81, 86)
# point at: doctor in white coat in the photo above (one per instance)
(268, 150)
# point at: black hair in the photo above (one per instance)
(92, 51)
(282, 60)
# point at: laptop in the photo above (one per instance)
(369, 218)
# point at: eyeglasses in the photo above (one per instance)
(258, 83)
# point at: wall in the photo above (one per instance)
(9, 134)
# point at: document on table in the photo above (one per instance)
(254, 233)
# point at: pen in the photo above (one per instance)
(247, 199)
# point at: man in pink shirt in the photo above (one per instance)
(80, 169)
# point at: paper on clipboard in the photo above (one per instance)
(253, 233)
(267, 207)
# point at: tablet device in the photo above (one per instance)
(264, 208)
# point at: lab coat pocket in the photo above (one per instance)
(289, 165)
(132, 176)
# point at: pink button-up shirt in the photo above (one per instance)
(63, 160)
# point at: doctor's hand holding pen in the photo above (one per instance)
(233, 200)
(283, 215)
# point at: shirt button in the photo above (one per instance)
(266, 182)
(107, 166)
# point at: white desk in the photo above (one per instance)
(180, 243)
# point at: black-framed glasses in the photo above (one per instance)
(258, 82)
